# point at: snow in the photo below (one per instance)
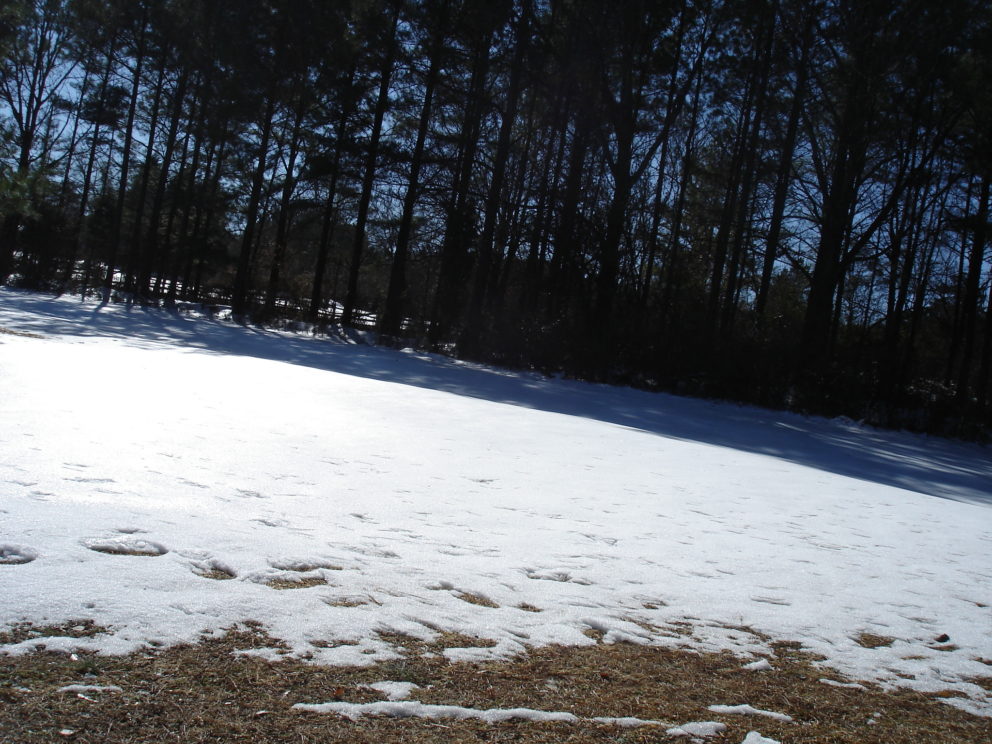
(761, 665)
(89, 688)
(746, 710)
(625, 721)
(754, 737)
(146, 456)
(412, 709)
(847, 685)
(698, 729)
(396, 707)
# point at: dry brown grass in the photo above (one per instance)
(476, 599)
(206, 693)
(294, 582)
(870, 640)
(12, 332)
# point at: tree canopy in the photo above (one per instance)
(783, 202)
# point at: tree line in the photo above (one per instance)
(783, 202)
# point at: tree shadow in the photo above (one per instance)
(929, 465)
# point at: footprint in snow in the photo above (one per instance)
(125, 545)
(215, 570)
(12, 554)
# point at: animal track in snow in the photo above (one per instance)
(247, 493)
(125, 545)
(190, 483)
(81, 479)
(271, 522)
(12, 554)
(562, 576)
(598, 538)
(772, 600)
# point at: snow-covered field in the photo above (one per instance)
(145, 456)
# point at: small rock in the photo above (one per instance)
(942, 638)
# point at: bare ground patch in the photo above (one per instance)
(207, 693)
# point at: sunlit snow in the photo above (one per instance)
(168, 475)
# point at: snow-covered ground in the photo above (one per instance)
(145, 456)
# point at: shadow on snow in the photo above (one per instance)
(928, 465)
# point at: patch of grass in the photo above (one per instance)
(595, 633)
(204, 692)
(407, 670)
(527, 607)
(476, 599)
(459, 640)
(870, 640)
(295, 582)
(217, 574)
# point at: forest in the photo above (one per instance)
(777, 202)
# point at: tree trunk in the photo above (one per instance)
(327, 223)
(136, 243)
(457, 235)
(368, 179)
(115, 240)
(471, 336)
(971, 309)
(242, 279)
(784, 176)
(282, 223)
(151, 244)
(396, 296)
